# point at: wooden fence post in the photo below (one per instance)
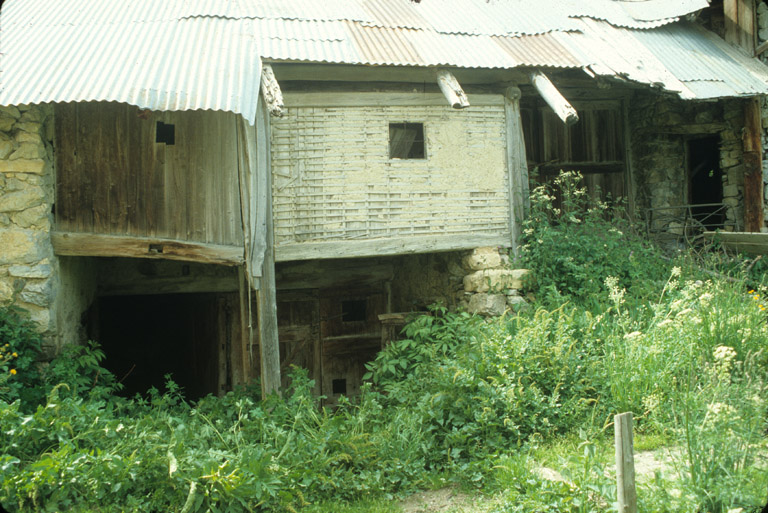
(626, 493)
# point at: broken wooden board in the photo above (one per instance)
(740, 242)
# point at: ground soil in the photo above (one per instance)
(450, 500)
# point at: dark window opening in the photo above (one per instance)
(165, 133)
(339, 386)
(355, 310)
(705, 182)
(406, 141)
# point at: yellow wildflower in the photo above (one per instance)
(751, 292)
(13, 371)
(16, 355)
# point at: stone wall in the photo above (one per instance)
(762, 36)
(28, 268)
(659, 128)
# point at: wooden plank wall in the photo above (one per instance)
(113, 178)
(334, 180)
(594, 146)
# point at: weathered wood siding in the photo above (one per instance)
(113, 178)
(334, 180)
(594, 146)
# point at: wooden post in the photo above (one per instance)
(452, 89)
(271, 91)
(625, 464)
(266, 295)
(517, 165)
(554, 99)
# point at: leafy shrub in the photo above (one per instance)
(572, 249)
(19, 353)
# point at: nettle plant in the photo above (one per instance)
(573, 242)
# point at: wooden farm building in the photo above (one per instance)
(223, 189)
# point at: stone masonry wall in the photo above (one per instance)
(28, 268)
(660, 126)
(762, 36)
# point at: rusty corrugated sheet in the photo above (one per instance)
(540, 50)
(158, 59)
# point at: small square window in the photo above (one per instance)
(354, 310)
(339, 386)
(406, 141)
(165, 133)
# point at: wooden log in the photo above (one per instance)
(517, 166)
(266, 297)
(626, 492)
(93, 244)
(452, 89)
(554, 99)
(270, 89)
(753, 167)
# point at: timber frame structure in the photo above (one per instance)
(257, 187)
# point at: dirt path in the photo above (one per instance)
(450, 500)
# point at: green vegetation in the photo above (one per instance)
(480, 404)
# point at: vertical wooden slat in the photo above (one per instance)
(731, 14)
(67, 186)
(746, 22)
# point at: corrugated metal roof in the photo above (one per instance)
(92, 50)
(204, 54)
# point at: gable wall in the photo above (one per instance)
(333, 179)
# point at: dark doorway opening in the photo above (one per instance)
(705, 181)
(146, 337)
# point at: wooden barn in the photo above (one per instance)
(223, 190)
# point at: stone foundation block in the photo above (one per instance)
(489, 305)
(496, 280)
(10, 111)
(21, 200)
(730, 190)
(32, 166)
(22, 246)
(516, 302)
(30, 271)
(483, 258)
(28, 150)
(6, 147)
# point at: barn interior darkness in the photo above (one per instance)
(705, 180)
(149, 337)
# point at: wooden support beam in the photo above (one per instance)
(381, 247)
(93, 244)
(517, 166)
(452, 89)
(554, 99)
(270, 89)
(753, 167)
(266, 295)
